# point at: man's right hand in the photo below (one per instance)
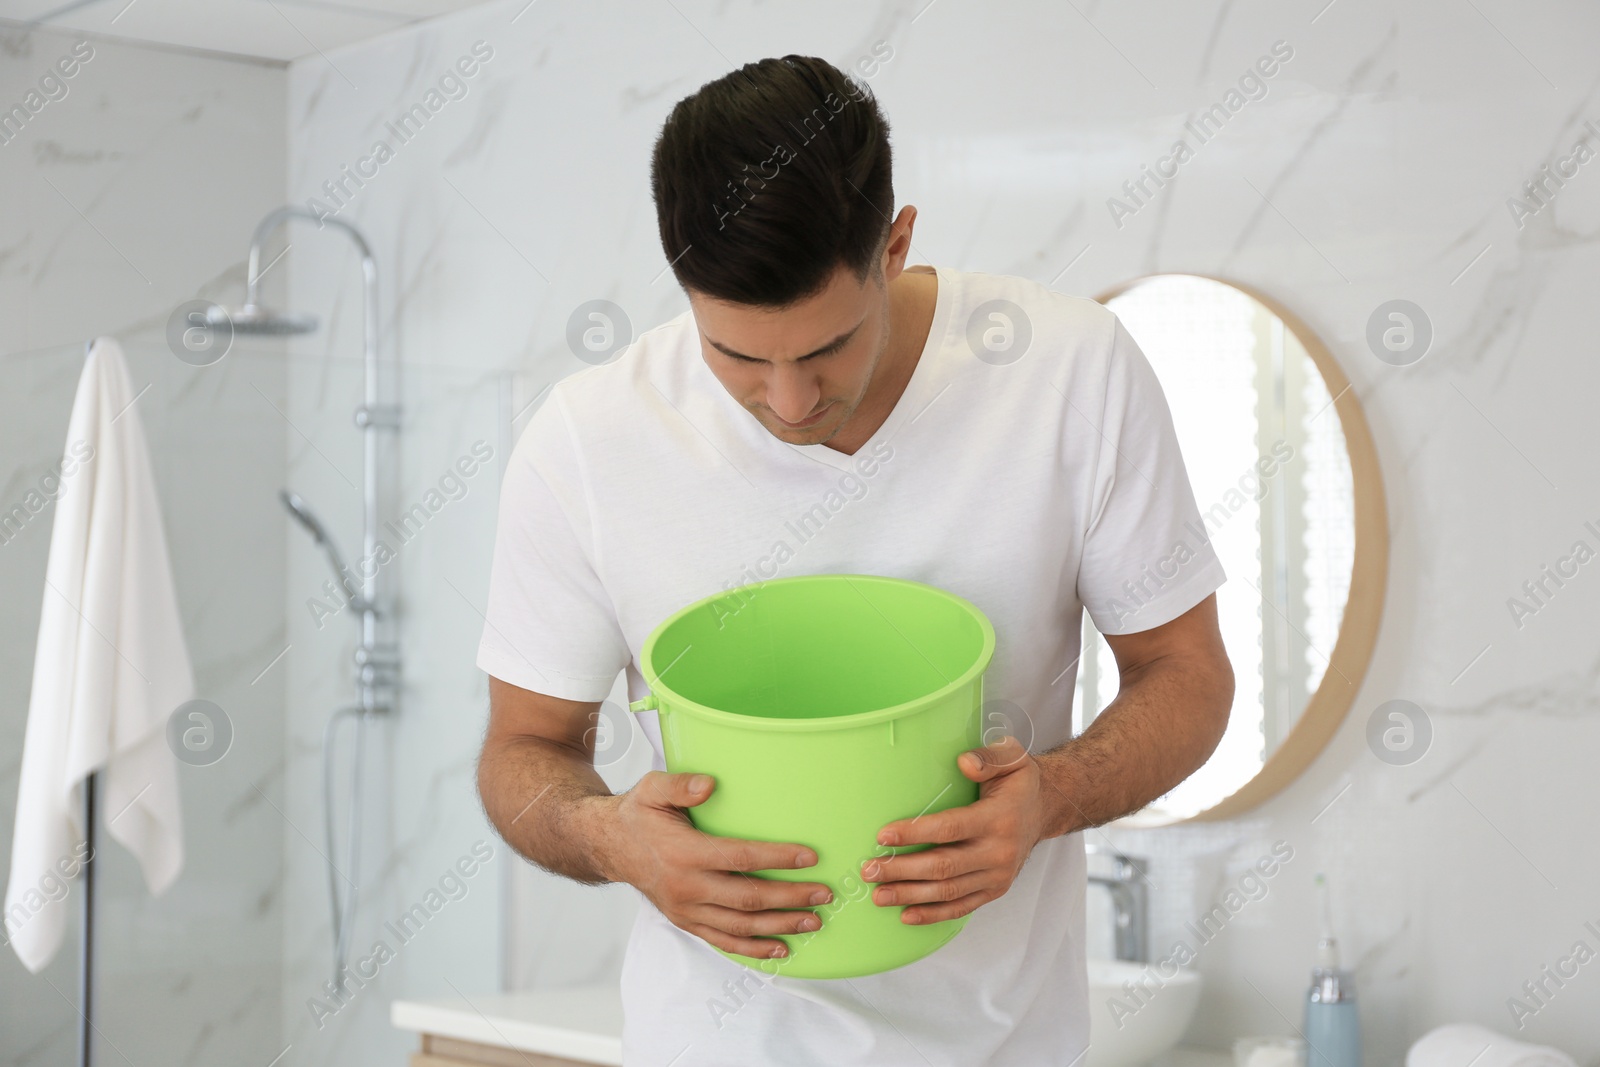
(697, 880)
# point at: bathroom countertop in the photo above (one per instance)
(1193, 1056)
(582, 1023)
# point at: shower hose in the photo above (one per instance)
(343, 904)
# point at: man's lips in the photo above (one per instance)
(812, 421)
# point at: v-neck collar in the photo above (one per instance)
(911, 400)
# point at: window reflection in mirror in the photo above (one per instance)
(1266, 456)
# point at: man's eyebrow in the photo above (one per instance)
(832, 346)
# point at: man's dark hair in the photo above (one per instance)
(769, 178)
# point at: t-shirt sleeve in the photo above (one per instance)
(1147, 555)
(550, 626)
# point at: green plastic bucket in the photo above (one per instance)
(825, 706)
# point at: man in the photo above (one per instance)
(823, 408)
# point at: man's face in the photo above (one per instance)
(810, 361)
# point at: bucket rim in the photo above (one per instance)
(660, 692)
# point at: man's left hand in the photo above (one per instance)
(979, 848)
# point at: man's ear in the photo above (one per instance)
(898, 245)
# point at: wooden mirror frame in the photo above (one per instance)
(1369, 577)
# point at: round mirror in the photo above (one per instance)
(1287, 483)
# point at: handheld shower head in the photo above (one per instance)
(303, 513)
(306, 517)
(259, 321)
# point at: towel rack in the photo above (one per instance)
(86, 935)
(86, 904)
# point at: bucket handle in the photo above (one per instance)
(649, 703)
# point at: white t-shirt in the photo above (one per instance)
(1035, 486)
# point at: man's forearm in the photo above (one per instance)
(549, 804)
(1164, 723)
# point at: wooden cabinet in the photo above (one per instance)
(451, 1052)
(567, 1027)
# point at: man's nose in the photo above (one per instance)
(793, 394)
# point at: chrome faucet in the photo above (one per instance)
(1129, 887)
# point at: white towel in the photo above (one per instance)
(1462, 1043)
(110, 668)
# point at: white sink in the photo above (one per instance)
(1128, 1029)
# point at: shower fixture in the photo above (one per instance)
(377, 663)
(306, 517)
(254, 319)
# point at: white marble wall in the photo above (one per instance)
(132, 194)
(1377, 166)
(423, 812)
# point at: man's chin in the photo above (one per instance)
(810, 435)
(802, 435)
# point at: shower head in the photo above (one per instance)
(255, 319)
(307, 518)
